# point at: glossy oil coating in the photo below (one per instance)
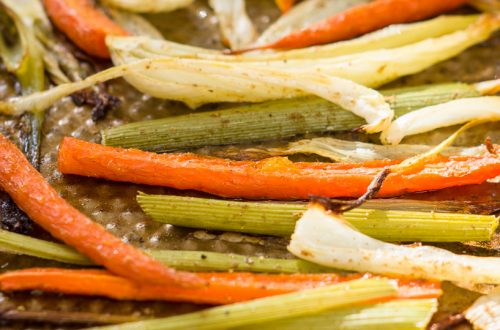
(113, 204)
(273, 178)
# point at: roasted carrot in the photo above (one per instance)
(42, 203)
(85, 25)
(362, 19)
(284, 5)
(276, 178)
(222, 288)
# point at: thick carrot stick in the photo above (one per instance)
(81, 22)
(363, 19)
(222, 288)
(43, 204)
(276, 178)
(284, 5)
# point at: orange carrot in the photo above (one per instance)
(276, 178)
(43, 204)
(81, 22)
(363, 19)
(222, 288)
(284, 5)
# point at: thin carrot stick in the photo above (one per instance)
(284, 5)
(362, 19)
(83, 24)
(275, 178)
(222, 288)
(43, 204)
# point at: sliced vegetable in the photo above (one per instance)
(83, 24)
(25, 57)
(213, 81)
(232, 82)
(275, 178)
(307, 302)
(150, 6)
(236, 28)
(38, 48)
(361, 100)
(363, 19)
(280, 218)
(327, 239)
(484, 314)
(185, 260)
(388, 38)
(301, 15)
(357, 152)
(446, 35)
(441, 115)
(267, 121)
(393, 36)
(412, 314)
(43, 204)
(221, 288)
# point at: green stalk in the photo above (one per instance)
(270, 218)
(183, 260)
(451, 206)
(307, 302)
(411, 314)
(268, 121)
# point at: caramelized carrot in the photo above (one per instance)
(43, 204)
(363, 19)
(81, 22)
(276, 178)
(284, 5)
(222, 288)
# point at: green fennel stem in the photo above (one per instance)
(268, 121)
(271, 218)
(307, 302)
(199, 261)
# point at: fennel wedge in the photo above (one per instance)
(327, 239)
(442, 115)
(391, 37)
(352, 152)
(371, 68)
(484, 314)
(214, 82)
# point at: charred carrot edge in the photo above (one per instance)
(222, 288)
(275, 178)
(42, 203)
(284, 5)
(81, 22)
(362, 19)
